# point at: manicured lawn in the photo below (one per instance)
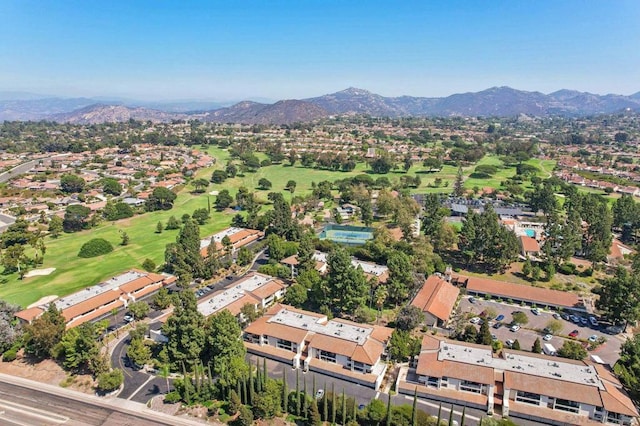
(73, 273)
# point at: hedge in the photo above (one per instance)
(95, 247)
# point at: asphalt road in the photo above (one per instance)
(609, 351)
(27, 406)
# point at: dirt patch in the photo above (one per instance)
(43, 301)
(46, 371)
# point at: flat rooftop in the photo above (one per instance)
(547, 367)
(367, 267)
(318, 324)
(206, 242)
(230, 294)
(111, 284)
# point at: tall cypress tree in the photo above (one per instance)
(439, 414)
(414, 409)
(451, 416)
(325, 404)
(264, 373)
(462, 417)
(304, 396)
(333, 404)
(388, 410)
(344, 408)
(297, 392)
(250, 385)
(258, 377)
(285, 391)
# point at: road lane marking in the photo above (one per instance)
(33, 412)
(430, 404)
(141, 386)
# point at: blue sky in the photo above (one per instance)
(231, 50)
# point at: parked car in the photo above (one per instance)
(547, 330)
(565, 317)
(584, 321)
(593, 338)
(497, 325)
(319, 393)
(128, 317)
(500, 317)
(547, 337)
(556, 315)
(494, 337)
(475, 320)
(593, 321)
(515, 327)
(509, 343)
(574, 333)
(535, 311)
(472, 300)
(574, 318)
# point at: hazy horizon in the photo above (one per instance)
(155, 51)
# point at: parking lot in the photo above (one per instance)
(526, 335)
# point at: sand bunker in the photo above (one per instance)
(38, 272)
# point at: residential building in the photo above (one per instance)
(540, 388)
(529, 247)
(255, 289)
(311, 341)
(541, 297)
(99, 300)
(436, 299)
(239, 237)
(370, 269)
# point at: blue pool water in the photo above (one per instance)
(530, 233)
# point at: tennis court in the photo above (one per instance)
(348, 235)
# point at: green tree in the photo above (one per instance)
(138, 352)
(139, 309)
(555, 326)
(55, 226)
(484, 336)
(296, 295)
(75, 218)
(245, 417)
(264, 184)
(402, 346)
(71, 183)
(77, 347)
(245, 256)
(110, 381)
(572, 350)
(537, 347)
(400, 279)
(44, 333)
(200, 185)
(172, 223)
(409, 317)
(111, 186)
(347, 285)
(201, 216)
(458, 184)
(627, 368)
(224, 345)
(124, 238)
(184, 330)
(620, 296)
(516, 345)
(520, 318)
(162, 299)
(160, 198)
(149, 265)
(223, 200)
(291, 186)
(159, 228)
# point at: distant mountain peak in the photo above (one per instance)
(354, 91)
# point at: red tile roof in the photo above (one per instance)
(437, 297)
(506, 290)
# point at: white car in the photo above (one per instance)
(475, 320)
(535, 311)
(515, 327)
(547, 337)
(593, 338)
(128, 318)
(509, 343)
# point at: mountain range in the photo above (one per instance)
(496, 101)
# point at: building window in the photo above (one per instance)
(327, 356)
(566, 405)
(618, 419)
(528, 397)
(432, 381)
(470, 386)
(284, 344)
(360, 367)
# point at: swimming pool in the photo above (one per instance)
(530, 233)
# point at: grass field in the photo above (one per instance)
(73, 273)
